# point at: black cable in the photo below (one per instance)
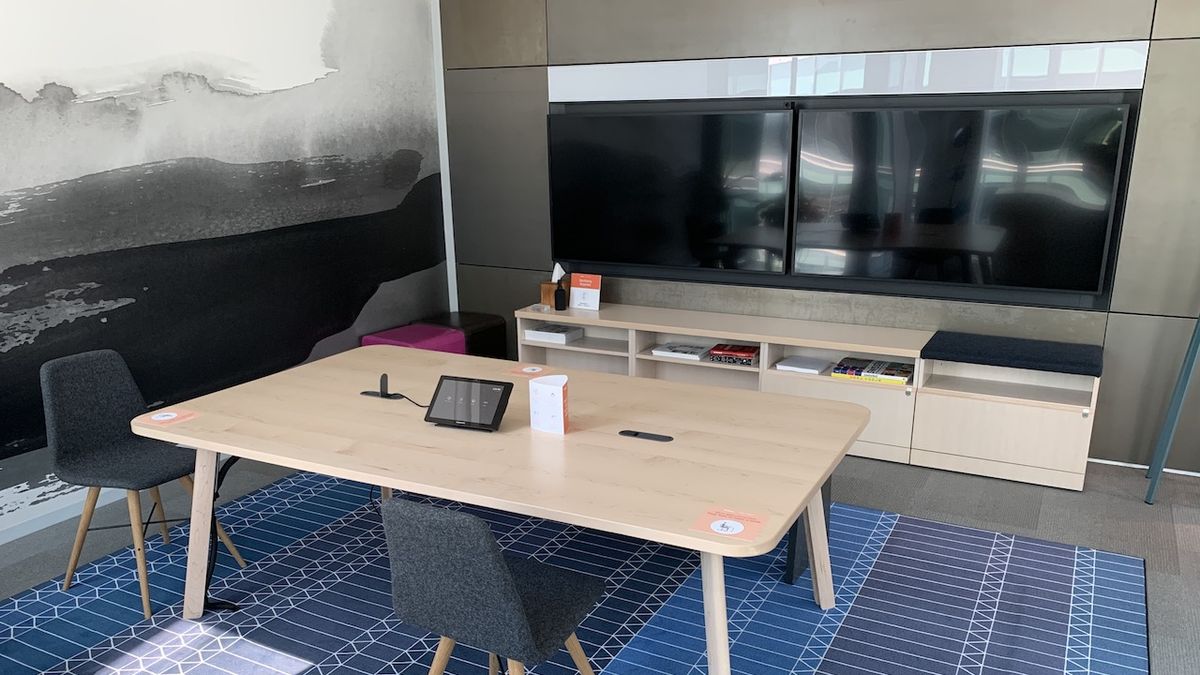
(419, 405)
(385, 394)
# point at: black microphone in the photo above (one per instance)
(383, 390)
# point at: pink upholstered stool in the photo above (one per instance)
(421, 336)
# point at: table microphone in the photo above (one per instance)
(383, 390)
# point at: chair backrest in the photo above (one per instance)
(450, 578)
(89, 399)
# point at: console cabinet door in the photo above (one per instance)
(1049, 437)
(891, 407)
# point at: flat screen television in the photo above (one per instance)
(703, 190)
(1020, 197)
(1010, 198)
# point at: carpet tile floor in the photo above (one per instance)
(914, 596)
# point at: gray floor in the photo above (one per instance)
(32, 559)
(1109, 514)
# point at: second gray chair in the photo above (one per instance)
(450, 578)
(89, 399)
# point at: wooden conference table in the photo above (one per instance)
(756, 459)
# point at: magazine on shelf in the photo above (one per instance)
(803, 364)
(738, 355)
(868, 370)
(678, 350)
(554, 332)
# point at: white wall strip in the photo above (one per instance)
(1073, 67)
(439, 91)
(1143, 467)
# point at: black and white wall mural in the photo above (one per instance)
(214, 189)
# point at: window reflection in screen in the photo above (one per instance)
(1016, 197)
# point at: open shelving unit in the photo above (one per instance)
(626, 335)
(1027, 425)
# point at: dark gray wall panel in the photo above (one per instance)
(871, 310)
(1142, 356)
(587, 31)
(489, 33)
(1177, 19)
(499, 171)
(498, 291)
(1157, 270)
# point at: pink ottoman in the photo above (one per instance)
(421, 336)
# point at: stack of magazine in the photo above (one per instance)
(554, 332)
(678, 350)
(867, 370)
(737, 355)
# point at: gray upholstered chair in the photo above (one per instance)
(89, 399)
(450, 578)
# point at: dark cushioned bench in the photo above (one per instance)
(993, 350)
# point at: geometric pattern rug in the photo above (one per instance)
(914, 596)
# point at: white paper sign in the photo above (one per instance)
(585, 291)
(548, 404)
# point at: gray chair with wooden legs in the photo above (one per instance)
(89, 399)
(450, 578)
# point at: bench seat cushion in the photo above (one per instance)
(994, 350)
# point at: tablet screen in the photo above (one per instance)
(468, 402)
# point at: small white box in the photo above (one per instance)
(548, 404)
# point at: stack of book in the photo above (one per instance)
(738, 355)
(866, 370)
(803, 364)
(678, 350)
(554, 332)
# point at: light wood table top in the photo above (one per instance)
(749, 452)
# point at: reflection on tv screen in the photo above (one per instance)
(703, 190)
(1018, 197)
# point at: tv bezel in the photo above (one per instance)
(1090, 300)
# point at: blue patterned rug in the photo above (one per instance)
(914, 596)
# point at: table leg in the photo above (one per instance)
(716, 618)
(797, 550)
(195, 587)
(817, 538)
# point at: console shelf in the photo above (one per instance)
(826, 377)
(586, 344)
(1008, 392)
(1025, 423)
(647, 356)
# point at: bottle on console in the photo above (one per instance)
(560, 297)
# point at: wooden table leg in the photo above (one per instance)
(716, 618)
(818, 553)
(202, 512)
(797, 548)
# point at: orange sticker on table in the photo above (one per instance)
(529, 371)
(729, 523)
(164, 418)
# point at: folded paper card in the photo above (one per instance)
(548, 404)
(585, 291)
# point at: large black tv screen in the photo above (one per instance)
(687, 190)
(1011, 197)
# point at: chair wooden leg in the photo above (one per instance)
(221, 534)
(493, 664)
(85, 521)
(576, 651)
(162, 514)
(515, 667)
(139, 546)
(385, 493)
(441, 658)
